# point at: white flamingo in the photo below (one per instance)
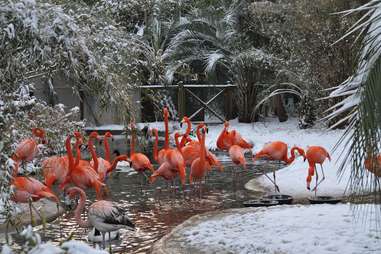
(103, 215)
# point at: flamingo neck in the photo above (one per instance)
(93, 154)
(107, 149)
(292, 158)
(80, 208)
(69, 153)
(155, 146)
(132, 144)
(115, 162)
(166, 142)
(78, 151)
(187, 132)
(202, 150)
(178, 144)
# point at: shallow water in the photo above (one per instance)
(156, 209)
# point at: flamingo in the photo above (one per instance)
(373, 165)
(172, 156)
(103, 215)
(28, 190)
(277, 151)
(82, 174)
(165, 169)
(315, 155)
(200, 165)
(55, 168)
(103, 164)
(186, 139)
(27, 149)
(191, 151)
(139, 161)
(223, 141)
(226, 139)
(237, 155)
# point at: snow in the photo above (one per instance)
(303, 229)
(77, 247)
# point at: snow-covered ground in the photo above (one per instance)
(291, 179)
(284, 229)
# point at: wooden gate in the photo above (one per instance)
(183, 90)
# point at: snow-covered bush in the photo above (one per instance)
(42, 38)
(34, 245)
(19, 112)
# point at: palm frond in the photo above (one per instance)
(362, 91)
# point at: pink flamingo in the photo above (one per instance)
(200, 165)
(82, 174)
(173, 157)
(104, 215)
(277, 151)
(191, 151)
(27, 149)
(139, 161)
(315, 155)
(55, 168)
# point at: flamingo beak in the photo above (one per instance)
(181, 124)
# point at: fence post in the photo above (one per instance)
(228, 103)
(181, 100)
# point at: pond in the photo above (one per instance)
(156, 208)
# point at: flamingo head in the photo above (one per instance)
(153, 132)
(299, 152)
(71, 192)
(108, 134)
(185, 120)
(94, 134)
(40, 133)
(166, 112)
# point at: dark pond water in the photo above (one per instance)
(156, 208)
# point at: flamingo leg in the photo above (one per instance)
(316, 181)
(109, 241)
(323, 178)
(103, 240)
(31, 212)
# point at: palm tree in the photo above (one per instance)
(210, 37)
(361, 106)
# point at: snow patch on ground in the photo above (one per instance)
(292, 179)
(285, 229)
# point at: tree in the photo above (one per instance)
(361, 107)
(209, 37)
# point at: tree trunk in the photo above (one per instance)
(280, 111)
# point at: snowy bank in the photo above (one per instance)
(280, 229)
(291, 179)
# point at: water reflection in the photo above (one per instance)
(157, 208)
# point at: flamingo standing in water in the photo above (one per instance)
(228, 138)
(104, 215)
(82, 174)
(28, 148)
(139, 161)
(315, 155)
(55, 168)
(200, 165)
(277, 151)
(191, 151)
(173, 158)
(103, 164)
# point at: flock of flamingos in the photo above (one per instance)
(105, 215)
